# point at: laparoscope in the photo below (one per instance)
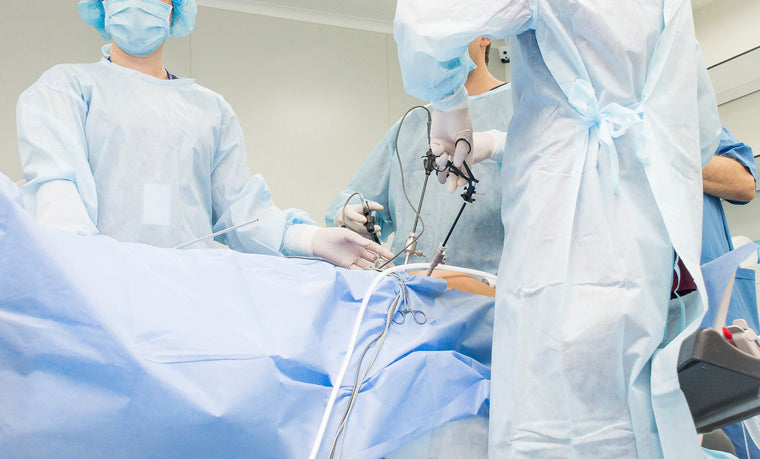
(440, 253)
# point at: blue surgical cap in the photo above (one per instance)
(183, 20)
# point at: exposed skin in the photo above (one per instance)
(727, 178)
(480, 79)
(151, 64)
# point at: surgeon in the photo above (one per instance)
(614, 119)
(379, 181)
(124, 148)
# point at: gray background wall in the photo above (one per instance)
(313, 99)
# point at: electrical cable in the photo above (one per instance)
(416, 211)
(343, 425)
(355, 335)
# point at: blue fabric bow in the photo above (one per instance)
(610, 122)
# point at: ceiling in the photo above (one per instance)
(373, 15)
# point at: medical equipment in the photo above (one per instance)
(429, 164)
(399, 316)
(249, 222)
(411, 241)
(370, 223)
(440, 252)
(393, 311)
(379, 180)
(719, 367)
(348, 217)
(337, 384)
(720, 382)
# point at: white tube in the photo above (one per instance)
(355, 337)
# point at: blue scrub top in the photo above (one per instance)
(716, 239)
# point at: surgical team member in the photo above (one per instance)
(123, 148)
(477, 246)
(730, 175)
(613, 120)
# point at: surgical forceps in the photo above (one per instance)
(399, 316)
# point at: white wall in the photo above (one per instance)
(312, 99)
(726, 28)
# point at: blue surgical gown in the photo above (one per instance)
(716, 241)
(613, 120)
(161, 162)
(475, 244)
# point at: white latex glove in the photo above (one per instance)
(484, 146)
(343, 247)
(451, 135)
(354, 218)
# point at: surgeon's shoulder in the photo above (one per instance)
(213, 99)
(63, 75)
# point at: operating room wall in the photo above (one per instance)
(313, 100)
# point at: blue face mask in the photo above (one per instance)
(138, 26)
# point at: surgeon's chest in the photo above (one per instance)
(153, 129)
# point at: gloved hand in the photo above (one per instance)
(354, 218)
(484, 145)
(343, 247)
(451, 135)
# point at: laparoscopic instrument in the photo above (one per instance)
(440, 253)
(411, 241)
(370, 223)
(410, 247)
(218, 233)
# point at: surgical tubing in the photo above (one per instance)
(355, 337)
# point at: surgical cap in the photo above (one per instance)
(183, 20)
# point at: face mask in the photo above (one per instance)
(138, 26)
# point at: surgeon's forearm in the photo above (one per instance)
(727, 178)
